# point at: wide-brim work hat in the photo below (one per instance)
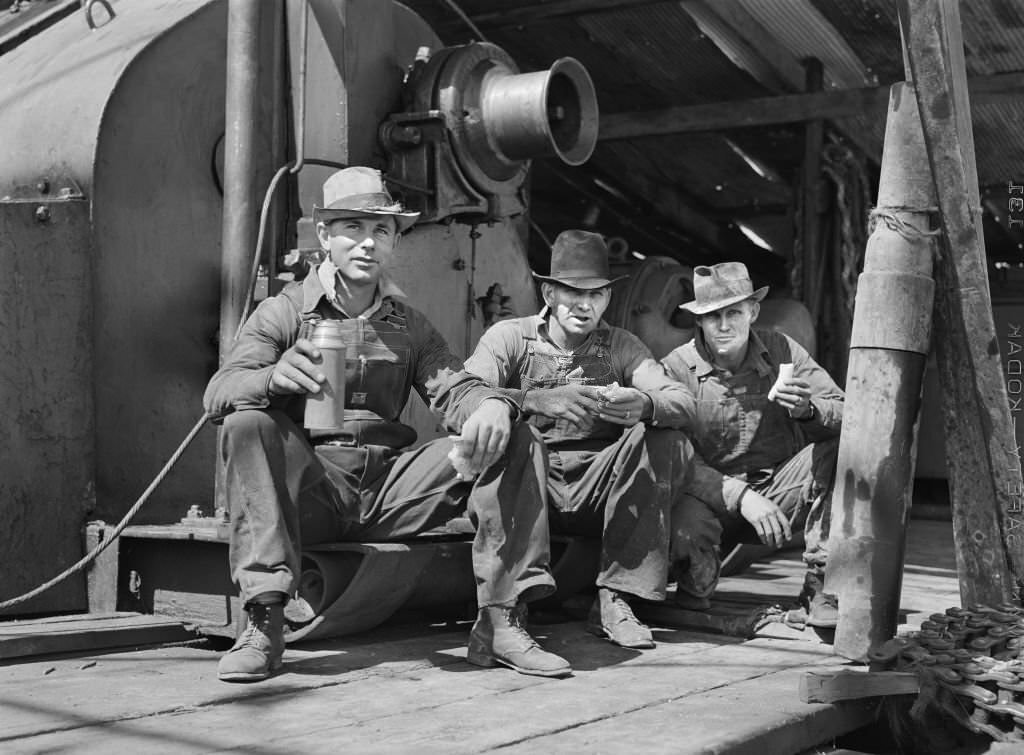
(719, 286)
(358, 192)
(579, 259)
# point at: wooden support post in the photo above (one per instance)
(101, 575)
(812, 261)
(888, 349)
(982, 454)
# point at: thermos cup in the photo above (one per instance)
(325, 410)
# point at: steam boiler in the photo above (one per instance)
(119, 174)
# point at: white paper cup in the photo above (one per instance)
(459, 461)
(785, 375)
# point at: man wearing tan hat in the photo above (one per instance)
(288, 486)
(768, 440)
(598, 398)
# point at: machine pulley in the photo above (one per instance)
(471, 124)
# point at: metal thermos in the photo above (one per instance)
(325, 410)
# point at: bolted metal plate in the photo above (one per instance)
(47, 436)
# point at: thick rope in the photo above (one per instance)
(893, 219)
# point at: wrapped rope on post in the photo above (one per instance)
(888, 349)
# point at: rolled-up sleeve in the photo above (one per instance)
(444, 383)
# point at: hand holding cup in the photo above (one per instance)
(792, 393)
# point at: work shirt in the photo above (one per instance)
(737, 431)
(390, 349)
(519, 354)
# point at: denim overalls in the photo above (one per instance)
(377, 375)
(545, 366)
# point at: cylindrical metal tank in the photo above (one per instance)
(131, 113)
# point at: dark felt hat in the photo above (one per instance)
(721, 285)
(358, 192)
(579, 259)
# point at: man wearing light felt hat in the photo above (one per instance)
(288, 486)
(766, 443)
(602, 405)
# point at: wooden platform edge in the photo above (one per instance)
(79, 635)
(832, 685)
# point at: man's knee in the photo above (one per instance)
(671, 454)
(241, 426)
(251, 428)
(694, 524)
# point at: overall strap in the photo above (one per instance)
(529, 326)
(294, 294)
(395, 314)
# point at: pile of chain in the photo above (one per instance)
(970, 666)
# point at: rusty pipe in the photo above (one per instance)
(239, 227)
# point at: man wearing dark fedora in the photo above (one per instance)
(599, 400)
(768, 441)
(288, 486)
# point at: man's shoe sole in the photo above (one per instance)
(600, 631)
(488, 660)
(249, 676)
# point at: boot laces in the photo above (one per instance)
(627, 610)
(515, 623)
(256, 634)
(829, 599)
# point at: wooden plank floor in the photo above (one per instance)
(408, 689)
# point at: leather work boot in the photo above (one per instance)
(611, 617)
(499, 637)
(257, 652)
(822, 607)
(696, 579)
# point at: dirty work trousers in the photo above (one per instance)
(621, 492)
(800, 486)
(283, 494)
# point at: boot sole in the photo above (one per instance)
(243, 676)
(600, 631)
(486, 660)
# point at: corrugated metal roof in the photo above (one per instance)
(993, 32)
(807, 34)
(663, 47)
(871, 27)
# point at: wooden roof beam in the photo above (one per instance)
(752, 47)
(664, 200)
(539, 12)
(747, 43)
(787, 108)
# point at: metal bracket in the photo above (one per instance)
(46, 189)
(88, 13)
